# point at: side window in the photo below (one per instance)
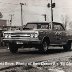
(38, 26)
(58, 27)
(49, 26)
(44, 26)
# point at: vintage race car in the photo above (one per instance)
(39, 35)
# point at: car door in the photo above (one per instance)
(58, 34)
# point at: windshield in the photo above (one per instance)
(31, 26)
(37, 26)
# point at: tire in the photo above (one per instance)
(13, 48)
(44, 47)
(67, 46)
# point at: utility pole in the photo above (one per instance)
(51, 12)
(21, 14)
(11, 20)
(44, 16)
(51, 5)
(51, 15)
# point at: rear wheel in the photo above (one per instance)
(67, 46)
(13, 48)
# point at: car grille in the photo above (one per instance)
(20, 35)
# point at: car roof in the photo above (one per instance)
(57, 23)
(45, 23)
(37, 23)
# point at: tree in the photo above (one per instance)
(65, 20)
(1, 15)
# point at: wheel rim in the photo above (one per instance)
(45, 46)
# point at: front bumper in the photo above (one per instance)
(24, 40)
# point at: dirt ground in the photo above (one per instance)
(52, 65)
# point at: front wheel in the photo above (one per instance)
(67, 46)
(13, 48)
(44, 47)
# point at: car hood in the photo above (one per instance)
(25, 31)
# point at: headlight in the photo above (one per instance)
(7, 35)
(34, 35)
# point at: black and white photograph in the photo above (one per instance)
(35, 36)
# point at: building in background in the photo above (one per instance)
(3, 22)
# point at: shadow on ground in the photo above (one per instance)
(50, 51)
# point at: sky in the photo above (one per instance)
(34, 10)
